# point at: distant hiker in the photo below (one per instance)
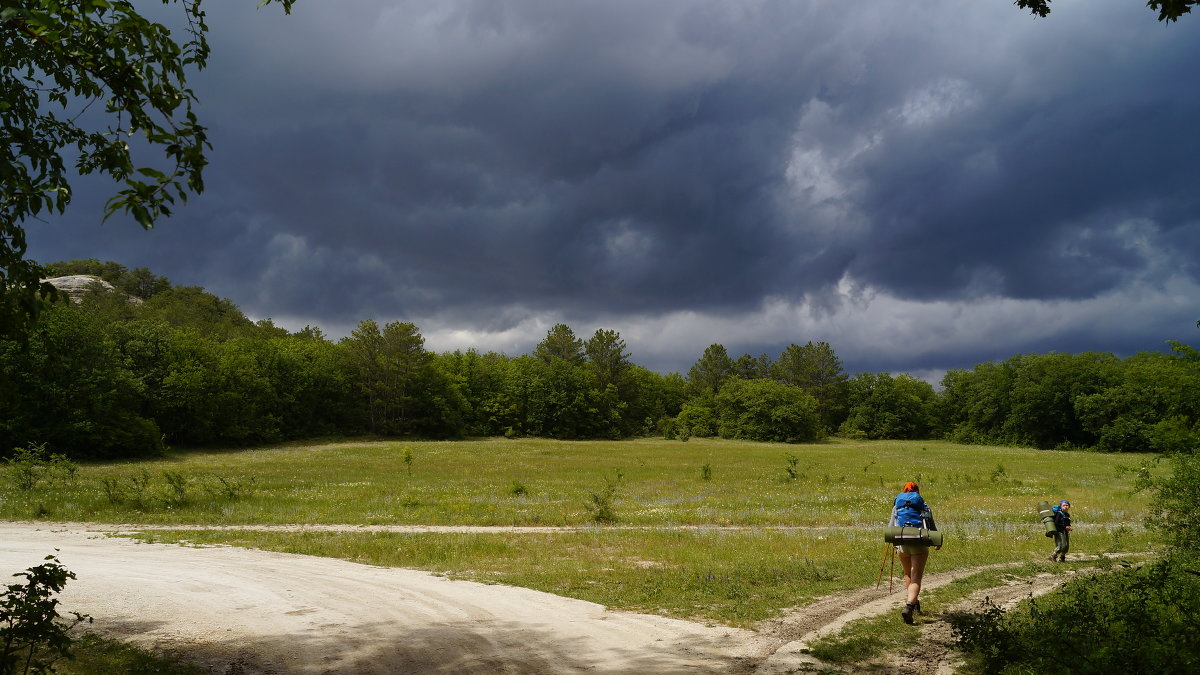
(910, 510)
(1062, 531)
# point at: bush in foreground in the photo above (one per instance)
(1137, 620)
(33, 635)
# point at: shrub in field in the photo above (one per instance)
(229, 488)
(601, 505)
(998, 473)
(1136, 620)
(792, 470)
(177, 485)
(518, 489)
(112, 490)
(32, 464)
(33, 635)
(140, 492)
(132, 490)
(706, 472)
(137, 488)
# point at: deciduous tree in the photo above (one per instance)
(92, 87)
(766, 410)
(882, 406)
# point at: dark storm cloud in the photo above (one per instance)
(486, 165)
(1037, 184)
(618, 161)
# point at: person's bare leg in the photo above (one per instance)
(906, 564)
(914, 571)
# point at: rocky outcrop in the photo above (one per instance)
(76, 285)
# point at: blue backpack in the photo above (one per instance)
(909, 509)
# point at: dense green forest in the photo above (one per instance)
(122, 373)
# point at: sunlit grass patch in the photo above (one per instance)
(658, 483)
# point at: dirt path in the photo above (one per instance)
(248, 611)
(798, 629)
(933, 653)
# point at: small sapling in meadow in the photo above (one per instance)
(792, 469)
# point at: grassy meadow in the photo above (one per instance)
(810, 516)
(973, 489)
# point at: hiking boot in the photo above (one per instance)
(1062, 557)
(917, 607)
(907, 612)
(1053, 557)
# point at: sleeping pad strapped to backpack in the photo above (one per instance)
(1047, 515)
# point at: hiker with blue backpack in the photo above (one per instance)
(1062, 531)
(910, 510)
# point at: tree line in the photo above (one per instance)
(124, 373)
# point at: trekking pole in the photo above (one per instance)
(892, 572)
(879, 579)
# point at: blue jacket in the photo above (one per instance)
(909, 510)
(1061, 520)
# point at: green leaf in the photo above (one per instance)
(141, 215)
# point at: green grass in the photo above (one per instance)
(980, 490)
(95, 654)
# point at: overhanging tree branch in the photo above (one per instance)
(55, 54)
(1168, 10)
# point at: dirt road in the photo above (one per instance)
(278, 613)
(248, 611)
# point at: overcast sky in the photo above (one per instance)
(924, 185)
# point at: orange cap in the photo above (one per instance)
(911, 487)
